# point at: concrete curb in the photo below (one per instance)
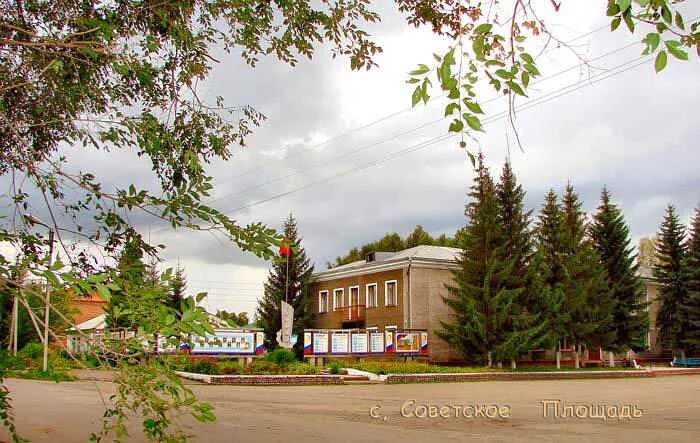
(263, 379)
(496, 376)
(370, 375)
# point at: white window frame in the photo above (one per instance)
(359, 294)
(323, 308)
(386, 292)
(342, 298)
(390, 328)
(376, 295)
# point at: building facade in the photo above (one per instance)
(402, 290)
(406, 290)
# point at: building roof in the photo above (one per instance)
(94, 323)
(425, 253)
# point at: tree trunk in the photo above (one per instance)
(576, 357)
(489, 359)
(558, 359)
(611, 356)
(499, 365)
(513, 364)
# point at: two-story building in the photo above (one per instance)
(389, 290)
(405, 290)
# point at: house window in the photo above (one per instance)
(338, 298)
(354, 296)
(390, 294)
(371, 295)
(323, 301)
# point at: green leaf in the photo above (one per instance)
(661, 60)
(516, 88)
(624, 4)
(474, 107)
(473, 121)
(527, 57)
(456, 126)
(613, 9)
(666, 14)
(674, 47)
(201, 296)
(450, 108)
(483, 28)
(628, 21)
(103, 292)
(525, 78)
(422, 69)
(449, 57)
(615, 23)
(504, 74)
(679, 20)
(652, 41)
(416, 96)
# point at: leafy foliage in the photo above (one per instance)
(692, 265)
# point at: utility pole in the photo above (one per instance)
(48, 305)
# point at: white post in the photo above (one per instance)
(45, 365)
(512, 364)
(611, 358)
(558, 353)
(577, 363)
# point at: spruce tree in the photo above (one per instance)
(530, 322)
(692, 267)
(549, 262)
(296, 283)
(611, 239)
(585, 291)
(178, 285)
(490, 325)
(673, 291)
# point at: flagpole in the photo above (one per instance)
(286, 282)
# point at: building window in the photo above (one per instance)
(390, 293)
(323, 301)
(371, 295)
(338, 298)
(354, 299)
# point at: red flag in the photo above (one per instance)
(285, 249)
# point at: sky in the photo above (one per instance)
(341, 150)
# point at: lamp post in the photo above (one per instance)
(35, 221)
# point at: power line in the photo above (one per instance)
(541, 100)
(404, 110)
(409, 131)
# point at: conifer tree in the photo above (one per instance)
(585, 292)
(692, 265)
(611, 239)
(550, 266)
(297, 288)
(178, 285)
(673, 291)
(490, 324)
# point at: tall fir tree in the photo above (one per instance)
(611, 238)
(669, 271)
(549, 264)
(489, 324)
(692, 271)
(585, 295)
(293, 275)
(178, 286)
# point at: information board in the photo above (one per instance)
(225, 343)
(339, 343)
(376, 342)
(407, 342)
(320, 343)
(359, 342)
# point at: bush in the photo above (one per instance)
(335, 367)
(282, 357)
(32, 351)
(201, 366)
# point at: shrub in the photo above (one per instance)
(202, 366)
(282, 357)
(32, 351)
(335, 367)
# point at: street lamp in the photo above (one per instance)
(35, 221)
